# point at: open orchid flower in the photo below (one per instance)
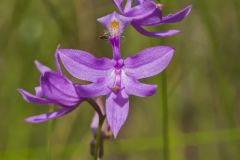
(54, 88)
(116, 78)
(149, 13)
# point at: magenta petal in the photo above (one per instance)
(32, 98)
(155, 19)
(56, 57)
(140, 1)
(117, 106)
(118, 4)
(99, 88)
(83, 65)
(128, 5)
(59, 89)
(48, 116)
(134, 87)
(179, 16)
(38, 91)
(141, 11)
(42, 68)
(155, 34)
(151, 19)
(148, 62)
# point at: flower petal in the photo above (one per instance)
(59, 89)
(38, 91)
(128, 5)
(154, 34)
(141, 11)
(51, 115)
(117, 106)
(179, 16)
(83, 65)
(148, 62)
(155, 19)
(118, 4)
(122, 22)
(134, 87)
(100, 88)
(140, 1)
(32, 98)
(151, 19)
(42, 68)
(56, 57)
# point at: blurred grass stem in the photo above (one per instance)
(98, 136)
(165, 116)
(49, 136)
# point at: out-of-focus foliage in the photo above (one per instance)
(203, 78)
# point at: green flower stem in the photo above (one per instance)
(95, 106)
(165, 117)
(98, 136)
(49, 136)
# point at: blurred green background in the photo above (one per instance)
(203, 82)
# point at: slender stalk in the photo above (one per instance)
(95, 106)
(98, 136)
(49, 136)
(165, 122)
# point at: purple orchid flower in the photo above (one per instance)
(54, 88)
(149, 13)
(117, 78)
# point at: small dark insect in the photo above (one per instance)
(105, 35)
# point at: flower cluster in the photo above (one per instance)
(115, 78)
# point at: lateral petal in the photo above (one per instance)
(154, 34)
(148, 62)
(49, 116)
(56, 57)
(32, 98)
(141, 11)
(100, 88)
(155, 19)
(134, 87)
(42, 68)
(179, 16)
(118, 4)
(117, 106)
(59, 89)
(38, 91)
(83, 65)
(128, 5)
